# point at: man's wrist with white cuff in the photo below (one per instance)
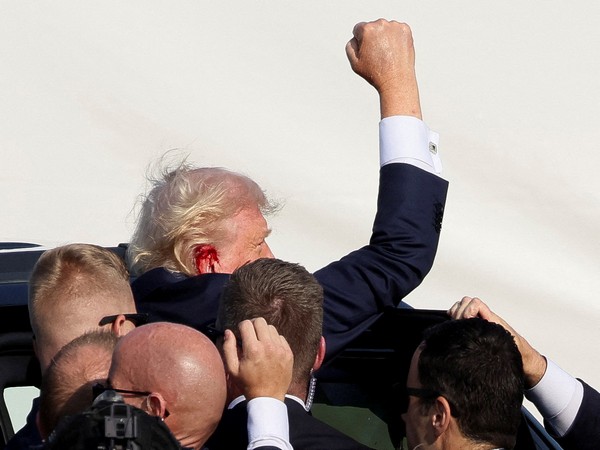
(268, 423)
(558, 397)
(406, 139)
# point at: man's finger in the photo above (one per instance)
(247, 333)
(466, 309)
(477, 308)
(352, 51)
(358, 31)
(261, 329)
(285, 344)
(230, 353)
(456, 311)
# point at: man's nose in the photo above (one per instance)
(267, 253)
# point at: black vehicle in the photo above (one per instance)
(357, 387)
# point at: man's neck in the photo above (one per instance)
(459, 442)
(299, 390)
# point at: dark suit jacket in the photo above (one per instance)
(584, 434)
(357, 288)
(306, 432)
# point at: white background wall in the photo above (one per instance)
(92, 92)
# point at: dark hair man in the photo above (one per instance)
(289, 298)
(570, 407)
(465, 388)
(199, 224)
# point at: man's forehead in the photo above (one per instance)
(251, 221)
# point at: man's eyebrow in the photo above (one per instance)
(268, 232)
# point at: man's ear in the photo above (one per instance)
(155, 405)
(205, 258)
(320, 354)
(121, 326)
(440, 415)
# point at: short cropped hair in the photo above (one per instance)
(185, 208)
(477, 367)
(287, 296)
(74, 271)
(67, 383)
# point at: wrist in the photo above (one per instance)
(400, 100)
(534, 366)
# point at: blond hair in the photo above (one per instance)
(72, 279)
(187, 207)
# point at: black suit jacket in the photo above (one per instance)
(306, 432)
(357, 288)
(584, 434)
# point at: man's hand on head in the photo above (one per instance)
(263, 366)
(382, 53)
(534, 364)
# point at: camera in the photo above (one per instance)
(112, 424)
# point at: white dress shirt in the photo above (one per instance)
(406, 139)
(558, 397)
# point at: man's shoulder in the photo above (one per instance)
(173, 297)
(231, 433)
(28, 436)
(160, 284)
(308, 432)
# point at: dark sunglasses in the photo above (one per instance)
(214, 333)
(137, 319)
(99, 389)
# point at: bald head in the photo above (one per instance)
(71, 288)
(184, 373)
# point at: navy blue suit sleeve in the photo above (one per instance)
(400, 253)
(584, 434)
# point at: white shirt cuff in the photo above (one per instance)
(558, 397)
(268, 423)
(408, 140)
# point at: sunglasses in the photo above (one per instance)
(136, 318)
(99, 389)
(214, 333)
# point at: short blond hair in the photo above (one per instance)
(83, 280)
